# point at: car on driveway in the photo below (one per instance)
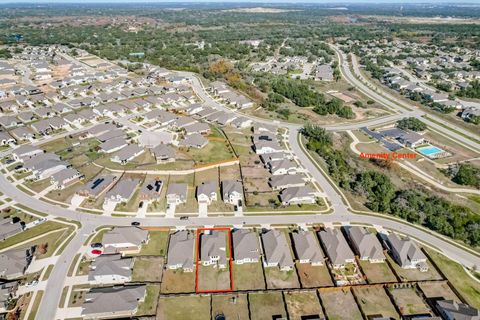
(135, 223)
(96, 245)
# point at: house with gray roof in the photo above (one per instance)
(151, 190)
(22, 133)
(111, 134)
(65, 178)
(276, 250)
(25, 152)
(245, 246)
(280, 167)
(177, 193)
(122, 191)
(452, 310)
(127, 154)
(14, 263)
(411, 139)
(213, 249)
(286, 181)
(194, 140)
(97, 186)
(336, 248)
(241, 122)
(366, 244)
(163, 153)
(9, 228)
(207, 192)
(307, 248)
(110, 269)
(113, 145)
(198, 127)
(406, 253)
(124, 240)
(8, 121)
(298, 195)
(232, 191)
(181, 248)
(103, 303)
(44, 165)
(6, 139)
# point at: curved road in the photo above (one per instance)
(53, 291)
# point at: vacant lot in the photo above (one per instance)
(302, 304)
(433, 290)
(177, 281)
(409, 302)
(277, 279)
(266, 305)
(414, 274)
(313, 276)
(147, 269)
(340, 305)
(248, 276)
(184, 308)
(375, 301)
(232, 306)
(210, 278)
(377, 272)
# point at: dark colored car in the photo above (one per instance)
(135, 223)
(184, 218)
(140, 205)
(96, 245)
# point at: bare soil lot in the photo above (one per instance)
(302, 304)
(184, 308)
(433, 290)
(375, 301)
(408, 301)
(248, 276)
(313, 276)
(377, 272)
(340, 305)
(232, 306)
(177, 281)
(210, 278)
(266, 305)
(277, 279)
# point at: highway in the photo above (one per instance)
(341, 211)
(380, 95)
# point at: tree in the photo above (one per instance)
(468, 175)
(411, 123)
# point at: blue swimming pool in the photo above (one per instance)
(430, 150)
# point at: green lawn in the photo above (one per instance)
(468, 288)
(157, 245)
(32, 233)
(149, 306)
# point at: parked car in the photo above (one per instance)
(9, 161)
(135, 223)
(39, 221)
(184, 218)
(96, 245)
(31, 284)
(140, 205)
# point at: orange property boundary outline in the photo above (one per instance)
(230, 259)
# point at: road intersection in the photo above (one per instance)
(341, 212)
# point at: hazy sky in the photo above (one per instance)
(239, 1)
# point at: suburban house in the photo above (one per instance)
(286, 181)
(151, 190)
(6, 139)
(127, 154)
(110, 269)
(297, 195)
(207, 192)
(406, 253)
(65, 178)
(245, 246)
(10, 227)
(97, 186)
(277, 251)
(122, 191)
(307, 248)
(336, 248)
(44, 165)
(281, 167)
(163, 154)
(103, 303)
(411, 139)
(266, 146)
(14, 263)
(366, 244)
(25, 152)
(232, 191)
(213, 249)
(452, 310)
(113, 145)
(194, 140)
(124, 240)
(177, 193)
(181, 249)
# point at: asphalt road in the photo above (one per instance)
(52, 295)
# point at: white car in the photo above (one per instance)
(39, 221)
(31, 284)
